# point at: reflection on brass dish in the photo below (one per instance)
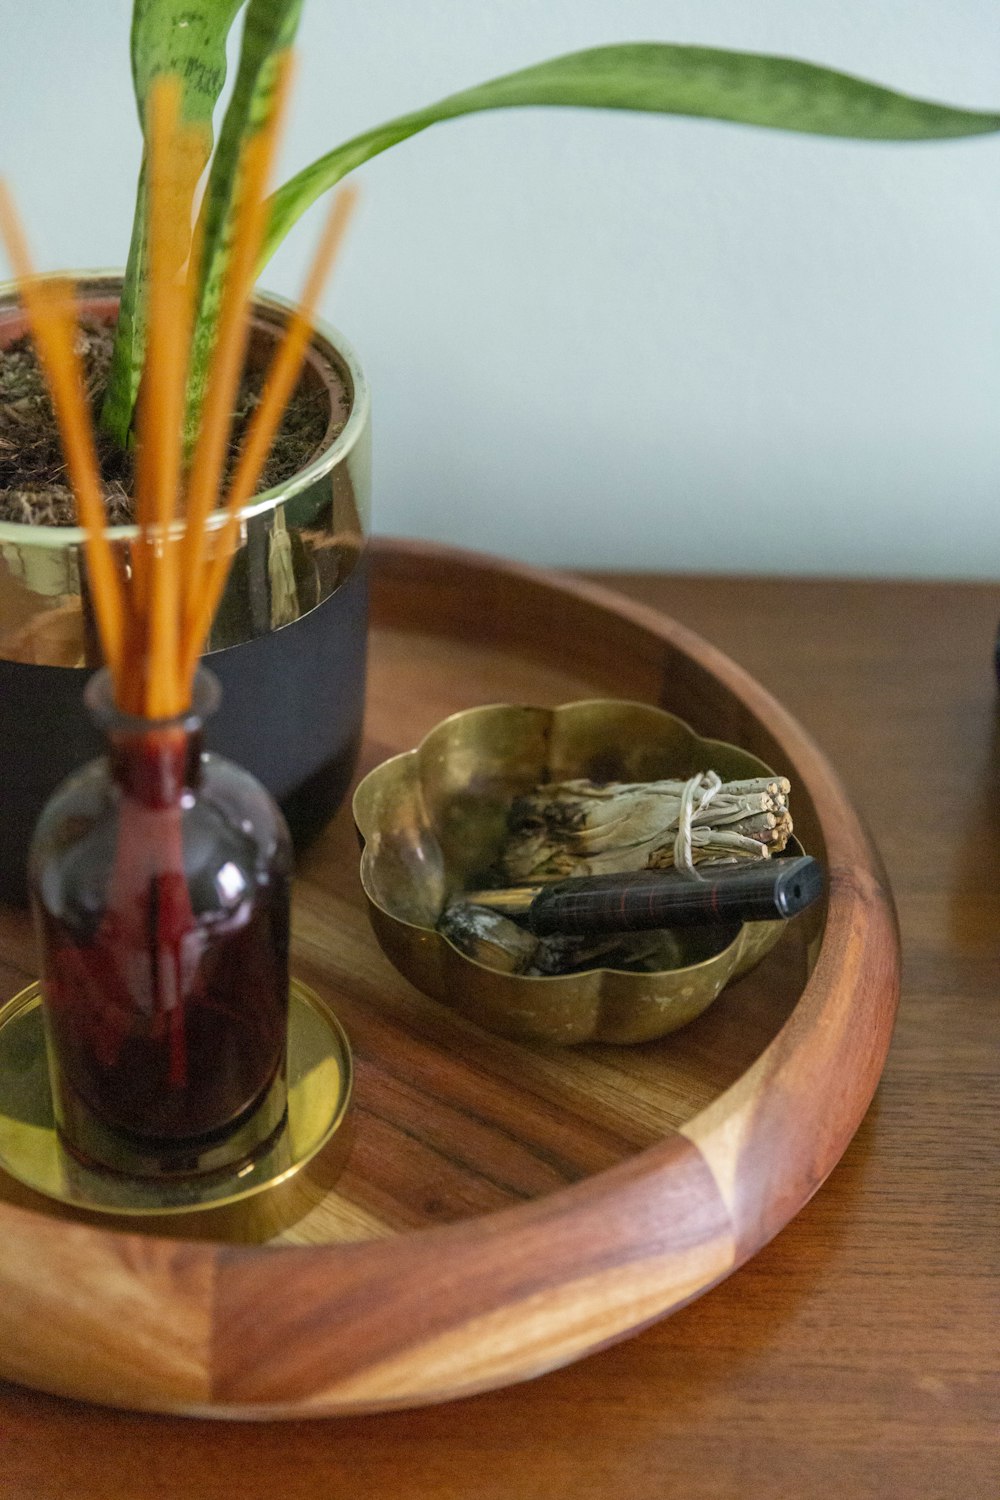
(319, 1087)
(433, 819)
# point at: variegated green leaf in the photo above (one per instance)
(269, 31)
(186, 38)
(748, 88)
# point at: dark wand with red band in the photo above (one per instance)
(767, 890)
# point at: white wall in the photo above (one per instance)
(603, 340)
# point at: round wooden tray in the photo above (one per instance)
(502, 1209)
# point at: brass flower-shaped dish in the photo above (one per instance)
(433, 819)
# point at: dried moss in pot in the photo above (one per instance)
(33, 482)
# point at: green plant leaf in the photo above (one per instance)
(269, 31)
(747, 88)
(186, 38)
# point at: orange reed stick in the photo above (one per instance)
(50, 306)
(190, 151)
(232, 333)
(173, 174)
(283, 374)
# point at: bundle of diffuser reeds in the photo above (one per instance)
(160, 878)
(154, 616)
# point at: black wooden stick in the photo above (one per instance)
(764, 891)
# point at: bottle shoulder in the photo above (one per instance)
(230, 829)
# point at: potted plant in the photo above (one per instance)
(290, 632)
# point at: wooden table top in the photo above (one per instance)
(856, 1355)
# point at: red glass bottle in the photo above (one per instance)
(160, 881)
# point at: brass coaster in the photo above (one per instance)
(319, 1085)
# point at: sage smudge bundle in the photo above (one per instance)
(583, 828)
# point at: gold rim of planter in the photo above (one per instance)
(299, 541)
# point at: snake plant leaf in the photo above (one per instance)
(268, 32)
(748, 88)
(186, 38)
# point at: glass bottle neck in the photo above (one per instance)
(158, 765)
(153, 761)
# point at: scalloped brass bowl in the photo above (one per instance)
(433, 819)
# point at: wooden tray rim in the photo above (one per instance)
(644, 1255)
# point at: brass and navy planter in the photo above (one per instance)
(288, 643)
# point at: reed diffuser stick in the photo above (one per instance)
(206, 591)
(231, 340)
(164, 694)
(49, 304)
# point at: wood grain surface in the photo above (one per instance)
(395, 1285)
(856, 1354)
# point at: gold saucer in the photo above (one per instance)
(319, 1087)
